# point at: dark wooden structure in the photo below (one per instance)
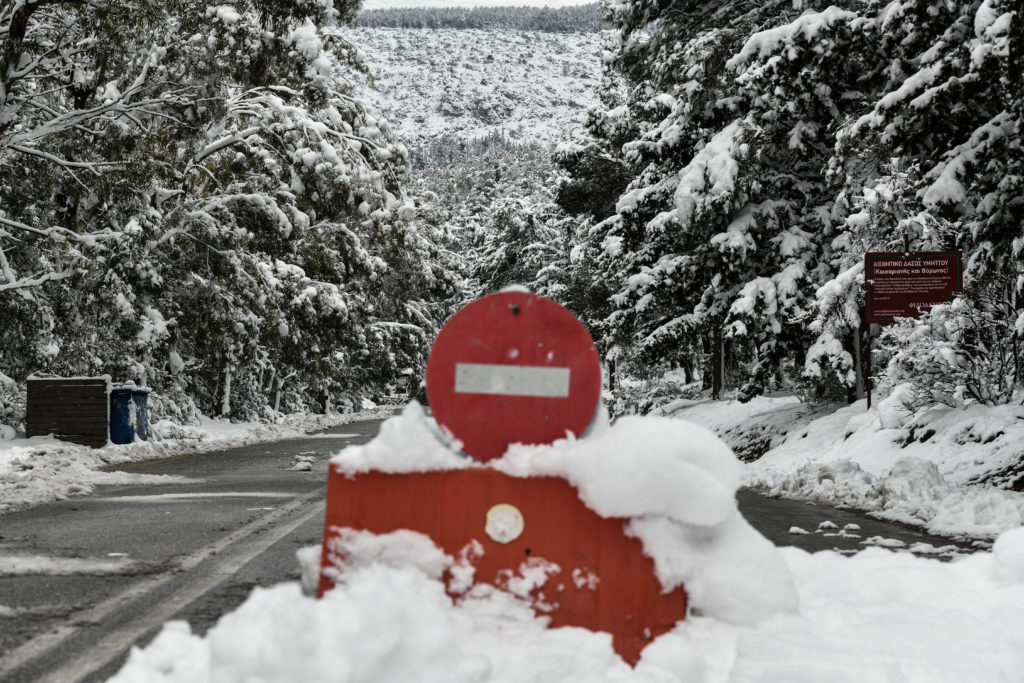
(75, 410)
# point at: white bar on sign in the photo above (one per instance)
(511, 380)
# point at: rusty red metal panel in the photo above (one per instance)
(451, 508)
(512, 368)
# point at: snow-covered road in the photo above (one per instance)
(83, 579)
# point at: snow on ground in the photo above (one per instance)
(875, 616)
(387, 4)
(19, 565)
(43, 469)
(752, 428)
(936, 468)
(470, 83)
(916, 472)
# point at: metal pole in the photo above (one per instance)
(867, 371)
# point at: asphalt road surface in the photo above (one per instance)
(113, 566)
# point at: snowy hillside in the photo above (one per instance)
(469, 83)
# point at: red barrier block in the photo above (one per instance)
(453, 508)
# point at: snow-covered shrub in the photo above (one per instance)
(643, 396)
(12, 402)
(967, 350)
(174, 405)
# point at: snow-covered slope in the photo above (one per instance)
(468, 83)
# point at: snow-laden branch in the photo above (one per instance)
(398, 326)
(26, 283)
(226, 141)
(56, 231)
(121, 104)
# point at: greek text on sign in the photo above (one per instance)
(906, 284)
(511, 380)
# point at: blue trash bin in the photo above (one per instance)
(141, 398)
(129, 417)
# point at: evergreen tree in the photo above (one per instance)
(192, 197)
(768, 147)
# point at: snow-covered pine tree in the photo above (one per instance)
(776, 143)
(715, 242)
(934, 161)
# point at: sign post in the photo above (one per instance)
(905, 285)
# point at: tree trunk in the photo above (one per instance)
(225, 405)
(717, 364)
(706, 372)
(860, 371)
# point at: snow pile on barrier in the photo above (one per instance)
(410, 442)
(675, 481)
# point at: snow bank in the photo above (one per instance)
(876, 616)
(750, 429)
(43, 469)
(905, 466)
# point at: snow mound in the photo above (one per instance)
(876, 616)
(409, 442)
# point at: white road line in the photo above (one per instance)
(172, 497)
(124, 637)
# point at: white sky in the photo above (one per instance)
(382, 4)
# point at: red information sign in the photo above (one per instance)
(905, 284)
(512, 367)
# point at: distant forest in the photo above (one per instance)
(575, 19)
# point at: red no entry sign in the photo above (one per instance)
(512, 367)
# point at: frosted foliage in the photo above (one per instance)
(781, 39)
(778, 143)
(712, 173)
(958, 353)
(244, 220)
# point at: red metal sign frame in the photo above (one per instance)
(605, 581)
